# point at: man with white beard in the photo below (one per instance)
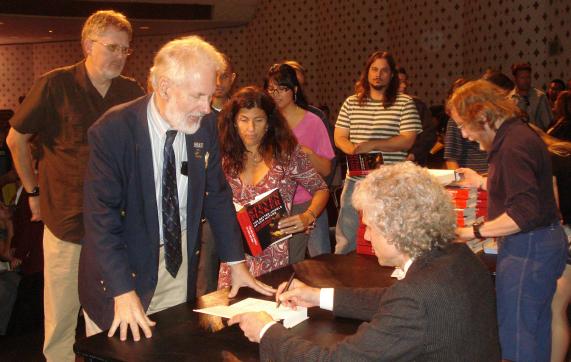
(154, 169)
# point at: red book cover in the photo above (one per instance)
(363, 163)
(463, 203)
(462, 192)
(259, 221)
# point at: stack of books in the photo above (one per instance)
(363, 246)
(470, 205)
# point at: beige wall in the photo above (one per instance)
(436, 41)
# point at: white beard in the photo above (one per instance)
(181, 123)
(185, 123)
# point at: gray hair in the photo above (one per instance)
(99, 21)
(408, 207)
(176, 59)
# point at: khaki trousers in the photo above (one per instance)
(61, 300)
(168, 293)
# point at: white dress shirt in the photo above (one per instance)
(157, 131)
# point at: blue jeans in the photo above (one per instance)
(348, 221)
(318, 242)
(528, 267)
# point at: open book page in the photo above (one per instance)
(290, 317)
(445, 177)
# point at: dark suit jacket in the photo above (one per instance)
(443, 310)
(121, 246)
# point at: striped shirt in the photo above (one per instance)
(371, 121)
(465, 152)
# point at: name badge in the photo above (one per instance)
(198, 149)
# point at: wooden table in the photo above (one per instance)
(183, 335)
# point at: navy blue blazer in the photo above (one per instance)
(120, 249)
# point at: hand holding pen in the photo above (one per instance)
(296, 294)
(286, 288)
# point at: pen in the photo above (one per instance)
(286, 288)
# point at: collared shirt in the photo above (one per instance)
(400, 273)
(60, 108)
(536, 105)
(520, 177)
(158, 128)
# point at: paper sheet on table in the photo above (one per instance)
(290, 317)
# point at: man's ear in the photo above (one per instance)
(163, 87)
(87, 45)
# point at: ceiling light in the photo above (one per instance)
(50, 31)
(144, 27)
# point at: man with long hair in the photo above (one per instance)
(378, 118)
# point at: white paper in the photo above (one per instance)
(445, 177)
(290, 317)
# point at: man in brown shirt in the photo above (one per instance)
(59, 109)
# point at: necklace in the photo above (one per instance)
(256, 158)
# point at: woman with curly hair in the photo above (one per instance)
(260, 153)
(522, 214)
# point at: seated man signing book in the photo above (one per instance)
(442, 309)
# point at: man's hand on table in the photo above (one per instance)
(129, 313)
(241, 277)
(251, 323)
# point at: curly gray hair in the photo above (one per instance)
(407, 206)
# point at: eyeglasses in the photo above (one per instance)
(115, 48)
(278, 90)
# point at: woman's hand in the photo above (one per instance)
(296, 223)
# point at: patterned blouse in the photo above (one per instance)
(284, 177)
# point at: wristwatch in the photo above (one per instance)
(476, 228)
(35, 192)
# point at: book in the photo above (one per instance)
(259, 221)
(445, 177)
(290, 317)
(362, 164)
(458, 192)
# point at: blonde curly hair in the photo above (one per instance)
(407, 206)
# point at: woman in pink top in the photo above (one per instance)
(282, 84)
(260, 153)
